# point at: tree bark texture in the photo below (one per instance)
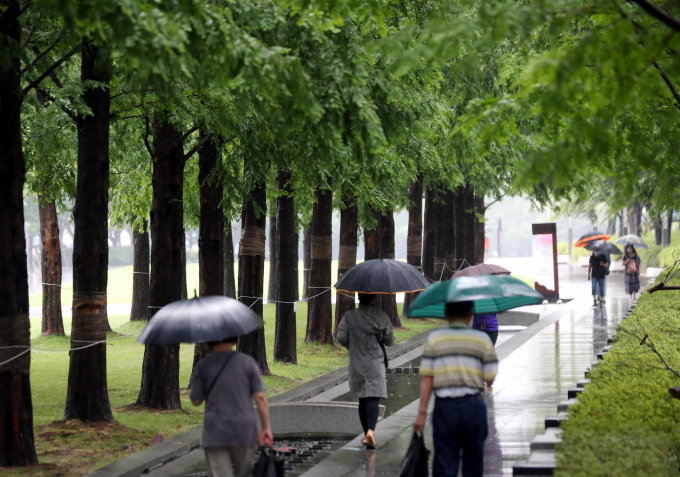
(414, 238)
(389, 302)
(429, 232)
(460, 226)
(273, 261)
(373, 247)
(229, 280)
(349, 225)
(87, 395)
(210, 231)
(17, 447)
(469, 232)
(307, 261)
(440, 237)
(251, 270)
(285, 341)
(297, 263)
(160, 369)
(319, 307)
(52, 321)
(670, 224)
(658, 230)
(140, 273)
(447, 217)
(183, 251)
(480, 233)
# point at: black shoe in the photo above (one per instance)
(594, 303)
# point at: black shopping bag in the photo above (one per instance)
(415, 460)
(268, 465)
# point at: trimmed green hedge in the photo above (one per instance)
(625, 422)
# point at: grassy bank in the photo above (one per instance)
(73, 448)
(626, 422)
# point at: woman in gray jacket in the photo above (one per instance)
(361, 331)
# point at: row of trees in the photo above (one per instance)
(191, 113)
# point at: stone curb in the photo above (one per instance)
(172, 448)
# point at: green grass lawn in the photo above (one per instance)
(119, 289)
(72, 449)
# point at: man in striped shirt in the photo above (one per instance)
(457, 362)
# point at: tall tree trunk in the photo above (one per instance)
(17, 447)
(52, 322)
(669, 225)
(297, 264)
(160, 369)
(183, 255)
(251, 269)
(347, 258)
(273, 261)
(320, 309)
(414, 239)
(621, 221)
(210, 232)
(373, 247)
(480, 234)
(285, 344)
(307, 261)
(658, 230)
(140, 273)
(389, 302)
(447, 222)
(460, 225)
(87, 396)
(440, 237)
(229, 280)
(429, 235)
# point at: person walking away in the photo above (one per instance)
(631, 277)
(229, 382)
(488, 324)
(597, 274)
(362, 331)
(456, 364)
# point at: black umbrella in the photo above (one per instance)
(603, 247)
(200, 320)
(382, 275)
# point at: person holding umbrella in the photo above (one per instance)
(598, 265)
(458, 362)
(366, 331)
(228, 381)
(488, 322)
(631, 277)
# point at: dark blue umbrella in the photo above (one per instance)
(200, 320)
(382, 275)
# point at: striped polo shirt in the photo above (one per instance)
(460, 359)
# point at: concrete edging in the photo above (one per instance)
(183, 443)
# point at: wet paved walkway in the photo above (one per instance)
(538, 365)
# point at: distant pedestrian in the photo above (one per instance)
(229, 382)
(598, 266)
(631, 277)
(488, 324)
(362, 331)
(456, 364)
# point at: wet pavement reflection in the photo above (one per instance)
(535, 377)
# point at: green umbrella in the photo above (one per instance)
(491, 294)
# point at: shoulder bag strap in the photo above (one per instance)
(382, 346)
(219, 373)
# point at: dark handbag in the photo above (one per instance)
(219, 373)
(268, 465)
(382, 346)
(415, 460)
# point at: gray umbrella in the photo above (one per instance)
(603, 247)
(200, 320)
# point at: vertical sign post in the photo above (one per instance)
(544, 246)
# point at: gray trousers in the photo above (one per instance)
(230, 461)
